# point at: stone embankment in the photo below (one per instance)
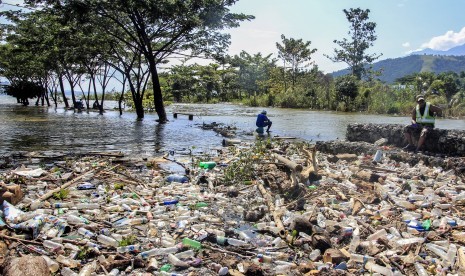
(440, 141)
(444, 148)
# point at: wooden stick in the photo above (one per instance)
(64, 186)
(271, 208)
(19, 240)
(290, 164)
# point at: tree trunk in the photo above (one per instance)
(62, 87)
(157, 95)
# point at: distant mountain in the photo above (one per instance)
(456, 51)
(392, 69)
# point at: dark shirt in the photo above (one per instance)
(262, 120)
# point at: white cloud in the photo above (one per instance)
(446, 41)
(406, 44)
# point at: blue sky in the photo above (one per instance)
(402, 25)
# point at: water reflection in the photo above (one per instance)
(39, 128)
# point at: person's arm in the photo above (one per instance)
(414, 116)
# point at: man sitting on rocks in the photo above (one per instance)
(423, 119)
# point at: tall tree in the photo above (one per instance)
(295, 53)
(160, 28)
(354, 50)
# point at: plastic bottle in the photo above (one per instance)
(315, 255)
(321, 220)
(170, 202)
(207, 165)
(129, 248)
(159, 252)
(52, 265)
(452, 254)
(85, 232)
(177, 178)
(409, 241)
(192, 243)
(87, 206)
(52, 245)
(185, 254)
(354, 244)
(176, 262)
(377, 235)
(62, 205)
(107, 240)
(372, 267)
(67, 262)
(137, 221)
(66, 271)
(86, 186)
(88, 269)
(436, 250)
(421, 271)
(360, 258)
(236, 242)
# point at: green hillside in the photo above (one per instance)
(392, 69)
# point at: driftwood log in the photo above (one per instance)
(276, 214)
(310, 172)
(290, 164)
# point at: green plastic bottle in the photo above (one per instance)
(207, 165)
(191, 243)
(165, 267)
(201, 204)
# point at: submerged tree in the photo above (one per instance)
(354, 50)
(160, 28)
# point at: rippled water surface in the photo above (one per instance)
(40, 128)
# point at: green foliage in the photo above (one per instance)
(362, 37)
(61, 194)
(244, 168)
(128, 240)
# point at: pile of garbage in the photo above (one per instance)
(268, 207)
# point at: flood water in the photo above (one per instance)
(48, 129)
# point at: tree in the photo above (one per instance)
(160, 28)
(346, 89)
(362, 37)
(294, 52)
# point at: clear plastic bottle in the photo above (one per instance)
(321, 220)
(372, 267)
(86, 233)
(72, 219)
(185, 254)
(107, 240)
(88, 269)
(52, 245)
(87, 206)
(158, 252)
(68, 262)
(66, 271)
(129, 248)
(421, 271)
(377, 235)
(52, 265)
(315, 255)
(360, 258)
(137, 221)
(436, 250)
(354, 244)
(236, 242)
(452, 254)
(409, 241)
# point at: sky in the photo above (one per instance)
(403, 26)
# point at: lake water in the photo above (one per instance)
(40, 128)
